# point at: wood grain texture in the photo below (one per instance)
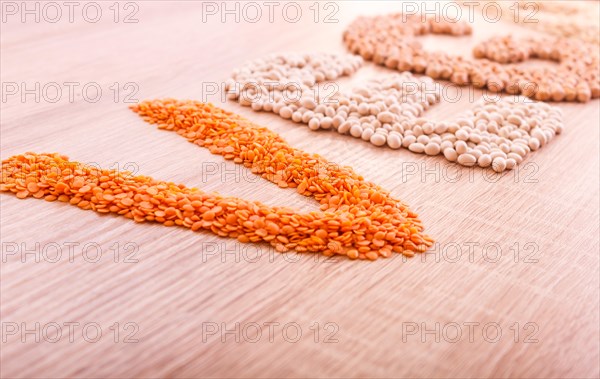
(543, 218)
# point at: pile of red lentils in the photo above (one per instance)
(572, 19)
(357, 218)
(392, 40)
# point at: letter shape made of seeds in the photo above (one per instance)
(392, 40)
(496, 132)
(357, 218)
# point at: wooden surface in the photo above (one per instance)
(181, 285)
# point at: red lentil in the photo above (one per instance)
(392, 40)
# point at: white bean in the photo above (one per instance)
(462, 135)
(534, 143)
(344, 127)
(416, 147)
(514, 156)
(308, 103)
(394, 140)
(484, 160)
(366, 134)
(285, 112)
(450, 154)
(356, 130)
(510, 163)
(385, 117)
(461, 147)
(498, 154)
(338, 121)
(314, 124)
(446, 144)
(499, 164)
(432, 148)
(423, 139)
(378, 139)
(466, 159)
(326, 122)
(408, 140)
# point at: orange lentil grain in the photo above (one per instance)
(32, 187)
(127, 202)
(371, 255)
(208, 216)
(261, 232)
(352, 253)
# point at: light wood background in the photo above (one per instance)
(543, 218)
